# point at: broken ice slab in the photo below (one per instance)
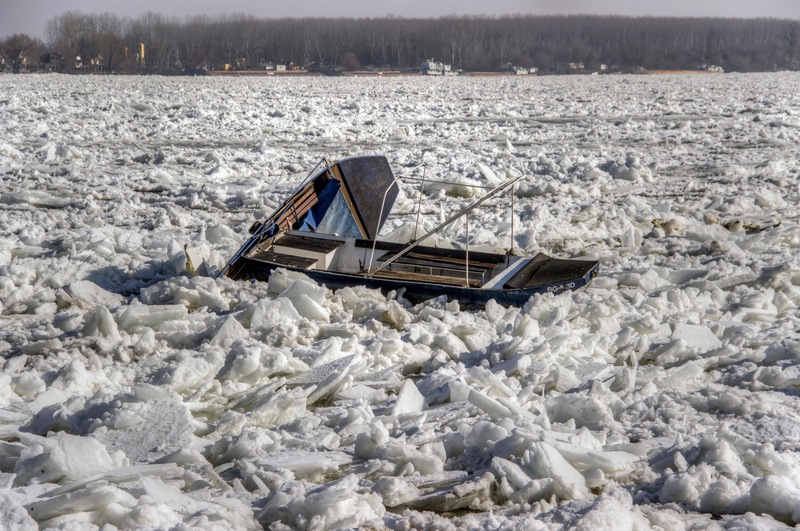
(592, 371)
(438, 480)
(512, 472)
(139, 316)
(91, 499)
(328, 386)
(535, 490)
(117, 475)
(642, 448)
(13, 516)
(7, 432)
(166, 426)
(382, 374)
(409, 400)
(12, 417)
(698, 337)
(489, 405)
(80, 457)
(171, 496)
(304, 464)
(450, 411)
(465, 494)
(546, 462)
(90, 294)
(246, 400)
(395, 491)
(680, 376)
(361, 392)
(610, 462)
(318, 374)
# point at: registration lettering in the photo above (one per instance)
(554, 289)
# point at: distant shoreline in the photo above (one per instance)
(260, 73)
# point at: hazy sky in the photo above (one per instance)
(29, 16)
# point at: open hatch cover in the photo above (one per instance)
(366, 180)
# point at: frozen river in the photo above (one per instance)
(664, 396)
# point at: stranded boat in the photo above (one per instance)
(328, 230)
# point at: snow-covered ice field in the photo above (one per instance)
(664, 396)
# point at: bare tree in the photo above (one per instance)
(20, 50)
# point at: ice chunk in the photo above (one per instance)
(146, 344)
(309, 308)
(137, 315)
(106, 324)
(13, 516)
(169, 495)
(46, 398)
(584, 459)
(303, 464)
(395, 491)
(489, 175)
(272, 312)
(516, 475)
(303, 287)
(166, 426)
(281, 279)
(697, 336)
(535, 490)
(329, 385)
(81, 457)
(546, 462)
(230, 331)
(91, 499)
(483, 434)
(584, 410)
(777, 496)
(409, 399)
(337, 505)
(457, 497)
(318, 374)
(492, 407)
(276, 408)
(307, 299)
(91, 294)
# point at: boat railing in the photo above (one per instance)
(383, 204)
(494, 192)
(405, 176)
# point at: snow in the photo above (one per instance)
(135, 390)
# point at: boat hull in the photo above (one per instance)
(417, 292)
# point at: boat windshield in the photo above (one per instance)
(338, 219)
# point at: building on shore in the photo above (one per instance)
(711, 68)
(430, 67)
(509, 68)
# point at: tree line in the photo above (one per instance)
(470, 43)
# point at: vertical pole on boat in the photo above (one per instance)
(512, 220)
(466, 262)
(419, 204)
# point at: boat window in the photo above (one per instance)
(339, 220)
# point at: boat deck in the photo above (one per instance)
(423, 277)
(286, 260)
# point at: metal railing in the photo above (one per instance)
(465, 211)
(383, 204)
